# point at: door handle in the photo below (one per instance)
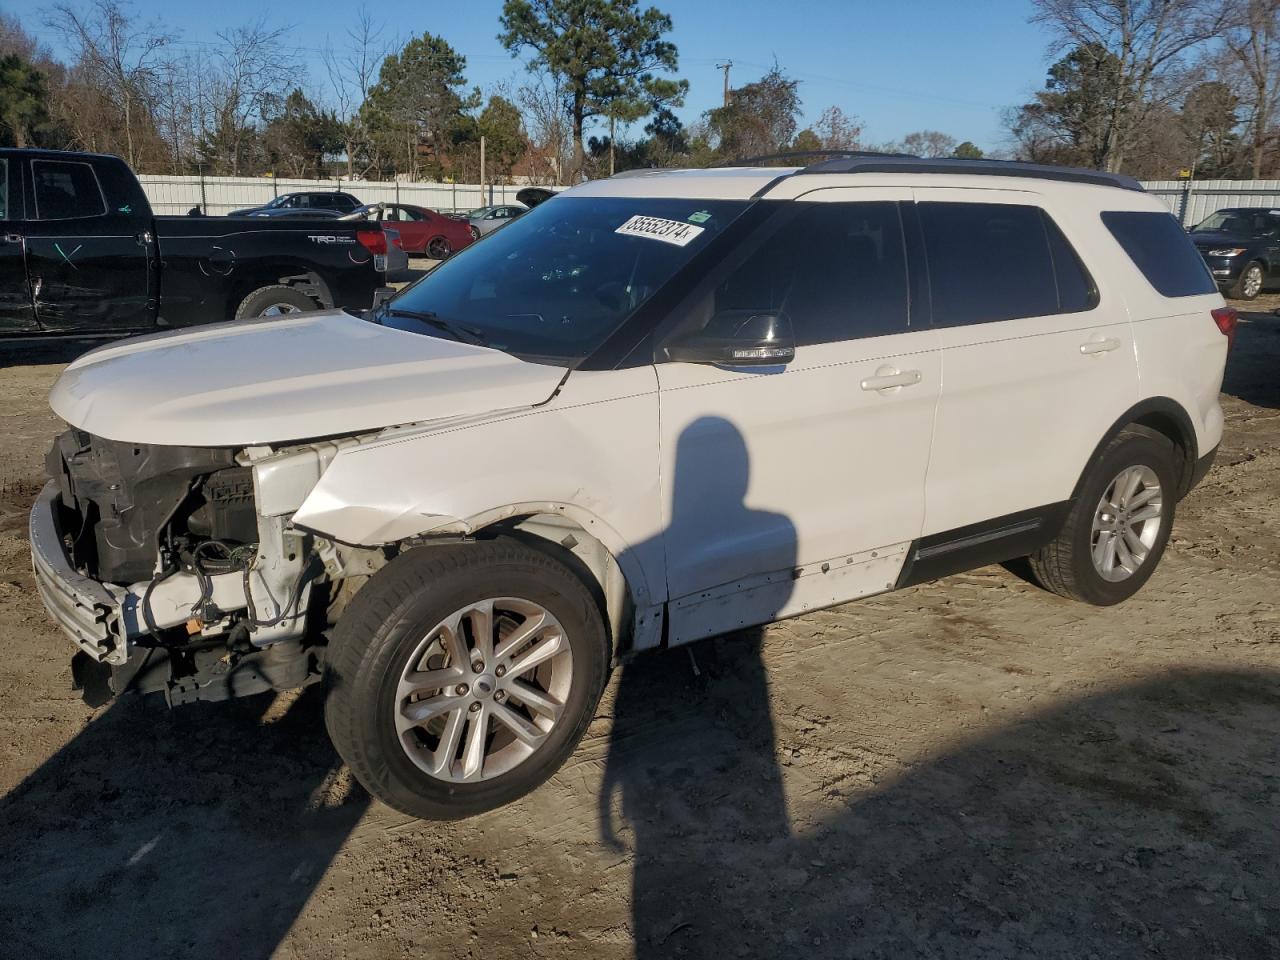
(889, 381)
(13, 238)
(1091, 347)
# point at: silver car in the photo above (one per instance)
(487, 219)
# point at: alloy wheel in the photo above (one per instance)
(1127, 523)
(483, 689)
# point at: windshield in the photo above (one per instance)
(278, 201)
(477, 212)
(1240, 223)
(555, 283)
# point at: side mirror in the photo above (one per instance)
(738, 338)
(381, 295)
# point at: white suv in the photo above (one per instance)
(659, 407)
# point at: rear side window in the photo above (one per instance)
(988, 262)
(838, 270)
(65, 189)
(1162, 251)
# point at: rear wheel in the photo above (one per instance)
(438, 248)
(1249, 284)
(462, 677)
(276, 300)
(1118, 526)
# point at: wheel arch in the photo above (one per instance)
(1166, 417)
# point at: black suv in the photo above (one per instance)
(328, 202)
(1241, 245)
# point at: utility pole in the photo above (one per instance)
(725, 67)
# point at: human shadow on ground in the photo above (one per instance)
(1140, 821)
(711, 533)
(197, 833)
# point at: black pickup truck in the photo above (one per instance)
(82, 255)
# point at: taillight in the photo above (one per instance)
(375, 241)
(1227, 318)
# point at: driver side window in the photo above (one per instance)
(837, 270)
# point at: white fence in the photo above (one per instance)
(220, 195)
(1193, 200)
(1189, 200)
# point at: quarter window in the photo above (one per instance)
(988, 262)
(1162, 251)
(65, 190)
(4, 189)
(838, 270)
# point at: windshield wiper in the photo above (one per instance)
(458, 332)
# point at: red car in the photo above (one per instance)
(421, 230)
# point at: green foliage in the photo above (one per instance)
(807, 140)
(413, 111)
(24, 102)
(606, 53)
(761, 117)
(968, 150)
(298, 135)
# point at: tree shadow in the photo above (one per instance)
(1140, 821)
(247, 806)
(1253, 366)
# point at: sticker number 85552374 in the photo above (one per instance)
(655, 228)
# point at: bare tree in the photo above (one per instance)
(1150, 40)
(352, 71)
(547, 121)
(115, 59)
(837, 130)
(250, 70)
(1252, 39)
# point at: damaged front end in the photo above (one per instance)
(157, 561)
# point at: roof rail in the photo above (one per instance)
(801, 154)
(891, 163)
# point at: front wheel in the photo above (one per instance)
(461, 677)
(1249, 284)
(1118, 525)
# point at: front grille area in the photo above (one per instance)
(118, 499)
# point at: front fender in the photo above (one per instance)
(594, 461)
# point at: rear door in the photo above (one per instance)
(90, 264)
(16, 313)
(796, 487)
(1037, 364)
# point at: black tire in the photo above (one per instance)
(379, 632)
(475, 232)
(1238, 292)
(1065, 566)
(283, 299)
(438, 248)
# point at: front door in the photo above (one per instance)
(800, 486)
(90, 265)
(16, 314)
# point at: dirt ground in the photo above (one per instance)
(970, 768)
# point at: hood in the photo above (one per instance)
(1206, 241)
(285, 379)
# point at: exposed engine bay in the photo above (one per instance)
(223, 602)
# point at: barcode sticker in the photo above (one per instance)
(655, 228)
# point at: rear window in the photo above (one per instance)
(1162, 251)
(66, 189)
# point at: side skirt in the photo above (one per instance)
(978, 544)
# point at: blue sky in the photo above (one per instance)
(946, 65)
